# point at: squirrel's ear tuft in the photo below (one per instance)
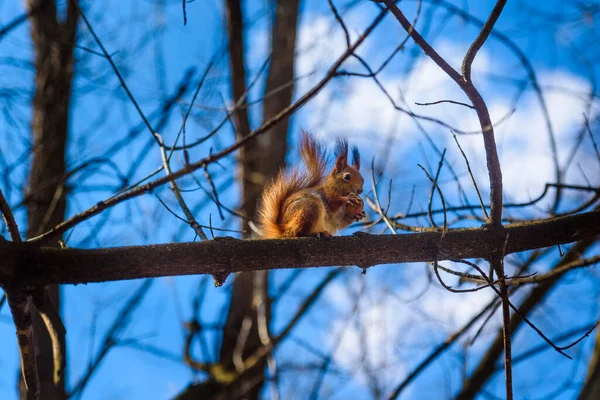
(341, 154)
(355, 157)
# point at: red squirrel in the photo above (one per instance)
(314, 202)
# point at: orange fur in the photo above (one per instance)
(274, 196)
(314, 157)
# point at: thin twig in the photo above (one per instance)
(119, 76)
(340, 21)
(584, 262)
(112, 335)
(345, 325)
(17, 21)
(436, 268)
(189, 109)
(188, 214)
(583, 330)
(433, 187)
(439, 350)
(516, 310)
(9, 219)
(378, 204)
(471, 175)
(446, 101)
(547, 186)
(215, 193)
(481, 38)
(589, 131)
(440, 193)
(522, 58)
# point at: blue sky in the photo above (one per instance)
(403, 324)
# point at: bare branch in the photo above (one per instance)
(584, 262)
(471, 175)
(481, 38)
(188, 214)
(17, 21)
(522, 57)
(446, 101)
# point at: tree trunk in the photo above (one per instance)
(46, 200)
(591, 387)
(250, 290)
(249, 312)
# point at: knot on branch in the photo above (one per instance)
(219, 278)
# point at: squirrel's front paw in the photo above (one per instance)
(355, 207)
(323, 235)
(354, 201)
(357, 217)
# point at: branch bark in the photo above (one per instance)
(27, 263)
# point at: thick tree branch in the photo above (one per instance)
(28, 263)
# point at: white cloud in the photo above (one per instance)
(357, 108)
(523, 140)
(372, 332)
(386, 322)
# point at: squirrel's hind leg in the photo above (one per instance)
(304, 218)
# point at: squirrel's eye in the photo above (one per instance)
(346, 176)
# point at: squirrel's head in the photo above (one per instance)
(347, 177)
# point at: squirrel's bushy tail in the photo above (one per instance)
(269, 216)
(314, 157)
(285, 185)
